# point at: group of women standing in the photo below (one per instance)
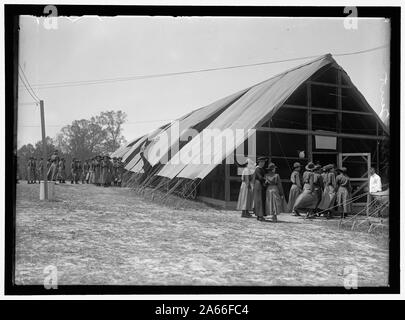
(261, 191)
(104, 172)
(314, 192)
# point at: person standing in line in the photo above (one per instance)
(53, 169)
(329, 195)
(120, 171)
(34, 170)
(318, 187)
(245, 199)
(344, 190)
(307, 199)
(259, 191)
(48, 164)
(40, 169)
(73, 171)
(114, 171)
(104, 171)
(30, 172)
(86, 170)
(80, 176)
(97, 170)
(274, 193)
(296, 187)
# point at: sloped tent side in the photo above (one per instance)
(258, 102)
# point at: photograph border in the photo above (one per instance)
(11, 13)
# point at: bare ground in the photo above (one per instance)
(97, 235)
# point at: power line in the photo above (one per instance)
(26, 79)
(22, 80)
(140, 77)
(62, 125)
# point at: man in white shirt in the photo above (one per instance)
(375, 186)
(375, 181)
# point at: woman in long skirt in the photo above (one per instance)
(329, 194)
(308, 198)
(274, 193)
(245, 199)
(296, 187)
(259, 189)
(344, 190)
(97, 169)
(318, 186)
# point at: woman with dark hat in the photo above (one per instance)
(308, 198)
(97, 170)
(318, 185)
(259, 189)
(296, 188)
(245, 199)
(274, 193)
(344, 190)
(329, 194)
(105, 167)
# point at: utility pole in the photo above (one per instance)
(44, 152)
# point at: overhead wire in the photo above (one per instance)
(159, 75)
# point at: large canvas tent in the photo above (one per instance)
(311, 112)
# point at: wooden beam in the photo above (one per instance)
(322, 133)
(293, 106)
(326, 84)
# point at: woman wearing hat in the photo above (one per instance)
(318, 185)
(31, 170)
(245, 199)
(61, 171)
(259, 195)
(97, 170)
(329, 194)
(105, 167)
(308, 198)
(296, 187)
(344, 190)
(274, 192)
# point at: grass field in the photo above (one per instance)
(114, 236)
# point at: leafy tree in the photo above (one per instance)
(111, 123)
(82, 139)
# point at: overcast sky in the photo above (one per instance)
(94, 48)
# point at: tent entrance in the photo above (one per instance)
(358, 168)
(325, 158)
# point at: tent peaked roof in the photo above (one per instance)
(243, 115)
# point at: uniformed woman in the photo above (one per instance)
(259, 189)
(296, 188)
(245, 199)
(344, 190)
(274, 193)
(308, 199)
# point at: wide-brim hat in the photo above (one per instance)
(328, 167)
(271, 166)
(310, 166)
(297, 165)
(261, 159)
(317, 167)
(342, 169)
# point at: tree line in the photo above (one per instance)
(82, 139)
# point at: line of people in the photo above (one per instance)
(314, 192)
(98, 170)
